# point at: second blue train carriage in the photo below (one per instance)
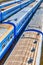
(9, 10)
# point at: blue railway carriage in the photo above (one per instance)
(6, 36)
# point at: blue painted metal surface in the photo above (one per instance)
(7, 4)
(10, 3)
(2, 53)
(0, 16)
(14, 9)
(24, 14)
(6, 40)
(34, 30)
(19, 23)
